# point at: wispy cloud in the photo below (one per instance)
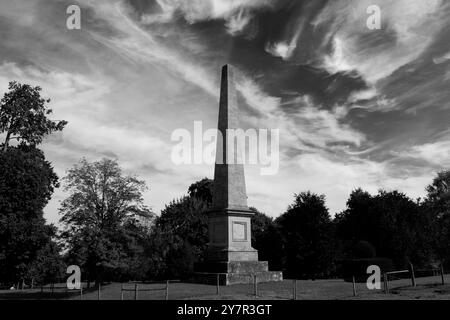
(355, 107)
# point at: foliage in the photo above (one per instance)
(202, 190)
(101, 234)
(179, 238)
(26, 242)
(307, 235)
(437, 206)
(363, 250)
(393, 223)
(23, 115)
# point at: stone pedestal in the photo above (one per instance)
(235, 272)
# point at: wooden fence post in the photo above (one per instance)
(121, 291)
(32, 283)
(255, 285)
(386, 283)
(354, 286)
(217, 284)
(413, 278)
(167, 290)
(135, 291)
(81, 292)
(442, 274)
(294, 293)
(99, 289)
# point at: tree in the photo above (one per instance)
(99, 216)
(202, 190)
(308, 242)
(27, 182)
(394, 224)
(437, 205)
(179, 238)
(23, 115)
(267, 239)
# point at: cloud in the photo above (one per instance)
(129, 78)
(308, 126)
(140, 46)
(236, 13)
(281, 49)
(442, 59)
(409, 27)
(435, 153)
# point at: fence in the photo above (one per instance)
(287, 289)
(412, 274)
(52, 288)
(137, 289)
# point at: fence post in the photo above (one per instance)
(81, 292)
(354, 286)
(386, 283)
(255, 285)
(442, 274)
(167, 290)
(121, 291)
(32, 283)
(23, 284)
(99, 289)
(294, 293)
(413, 278)
(217, 284)
(135, 291)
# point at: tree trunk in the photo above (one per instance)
(5, 146)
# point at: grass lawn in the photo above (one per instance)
(427, 288)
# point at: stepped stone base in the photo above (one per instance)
(234, 272)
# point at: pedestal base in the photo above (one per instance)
(234, 272)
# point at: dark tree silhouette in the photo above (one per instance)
(23, 115)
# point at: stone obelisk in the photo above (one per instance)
(230, 254)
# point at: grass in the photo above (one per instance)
(426, 288)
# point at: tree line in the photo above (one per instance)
(103, 230)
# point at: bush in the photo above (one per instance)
(363, 250)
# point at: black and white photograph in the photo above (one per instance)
(223, 158)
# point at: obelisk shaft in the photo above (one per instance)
(229, 180)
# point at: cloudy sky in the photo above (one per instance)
(355, 107)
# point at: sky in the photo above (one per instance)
(355, 106)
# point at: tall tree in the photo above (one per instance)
(437, 204)
(179, 238)
(23, 115)
(27, 182)
(99, 216)
(308, 240)
(267, 239)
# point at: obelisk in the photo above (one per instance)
(229, 219)
(230, 254)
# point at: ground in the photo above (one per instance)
(426, 288)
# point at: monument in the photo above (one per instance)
(230, 255)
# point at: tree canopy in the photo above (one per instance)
(101, 232)
(26, 241)
(24, 115)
